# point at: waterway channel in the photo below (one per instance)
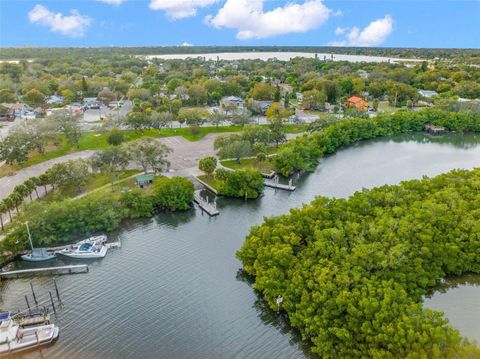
(175, 290)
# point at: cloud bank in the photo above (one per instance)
(373, 34)
(73, 25)
(180, 9)
(252, 22)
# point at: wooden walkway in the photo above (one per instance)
(210, 208)
(71, 269)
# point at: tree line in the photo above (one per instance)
(67, 220)
(303, 153)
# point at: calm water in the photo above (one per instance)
(282, 56)
(174, 289)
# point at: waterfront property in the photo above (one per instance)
(186, 277)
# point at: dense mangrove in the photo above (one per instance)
(352, 272)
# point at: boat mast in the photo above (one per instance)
(29, 235)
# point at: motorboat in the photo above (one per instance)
(14, 338)
(90, 248)
(37, 254)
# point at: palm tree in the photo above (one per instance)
(43, 180)
(3, 208)
(30, 187)
(16, 198)
(21, 190)
(8, 202)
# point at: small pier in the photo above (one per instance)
(434, 130)
(205, 205)
(71, 269)
(285, 187)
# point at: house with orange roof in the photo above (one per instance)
(358, 102)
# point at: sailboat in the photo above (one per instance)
(38, 254)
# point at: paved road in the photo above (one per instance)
(7, 183)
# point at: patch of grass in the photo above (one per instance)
(95, 181)
(211, 181)
(385, 107)
(250, 163)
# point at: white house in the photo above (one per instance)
(227, 102)
(51, 100)
(427, 93)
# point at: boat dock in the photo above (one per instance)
(210, 208)
(434, 130)
(285, 187)
(71, 269)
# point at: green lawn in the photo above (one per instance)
(95, 181)
(264, 166)
(385, 107)
(211, 181)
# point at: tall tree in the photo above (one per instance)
(149, 153)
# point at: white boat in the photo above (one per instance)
(37, 254)
(90, 248)
(14, 339)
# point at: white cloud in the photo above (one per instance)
(372, 35)
(73, 25)
(112, 2)
(185, 44)
(179, 9)
(251, 21)
(341, 30)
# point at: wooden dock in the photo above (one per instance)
(285, 187)
(434, 130)
(210, 208)
(71, 269)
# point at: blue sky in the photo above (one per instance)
(240, 22)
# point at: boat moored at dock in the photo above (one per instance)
(90, 248)
(14, 338)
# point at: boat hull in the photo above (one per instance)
(30, 258)
(88, 255)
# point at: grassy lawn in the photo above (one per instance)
(95, 181)
(385, 107)
(211, 181)
(264, 167)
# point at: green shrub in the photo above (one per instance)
(302, 153)
(246, 183)
(136, 204)
(174, 193)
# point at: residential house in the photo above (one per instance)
(427, 93)
(358, 102)
(54, 100)
(232, 102)
(261, 106)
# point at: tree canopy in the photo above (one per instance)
(352, 272)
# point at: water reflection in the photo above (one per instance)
(277, 320)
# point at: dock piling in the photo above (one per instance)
(56, 290)
(28, 304)
(53, 304)
(34, 296)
